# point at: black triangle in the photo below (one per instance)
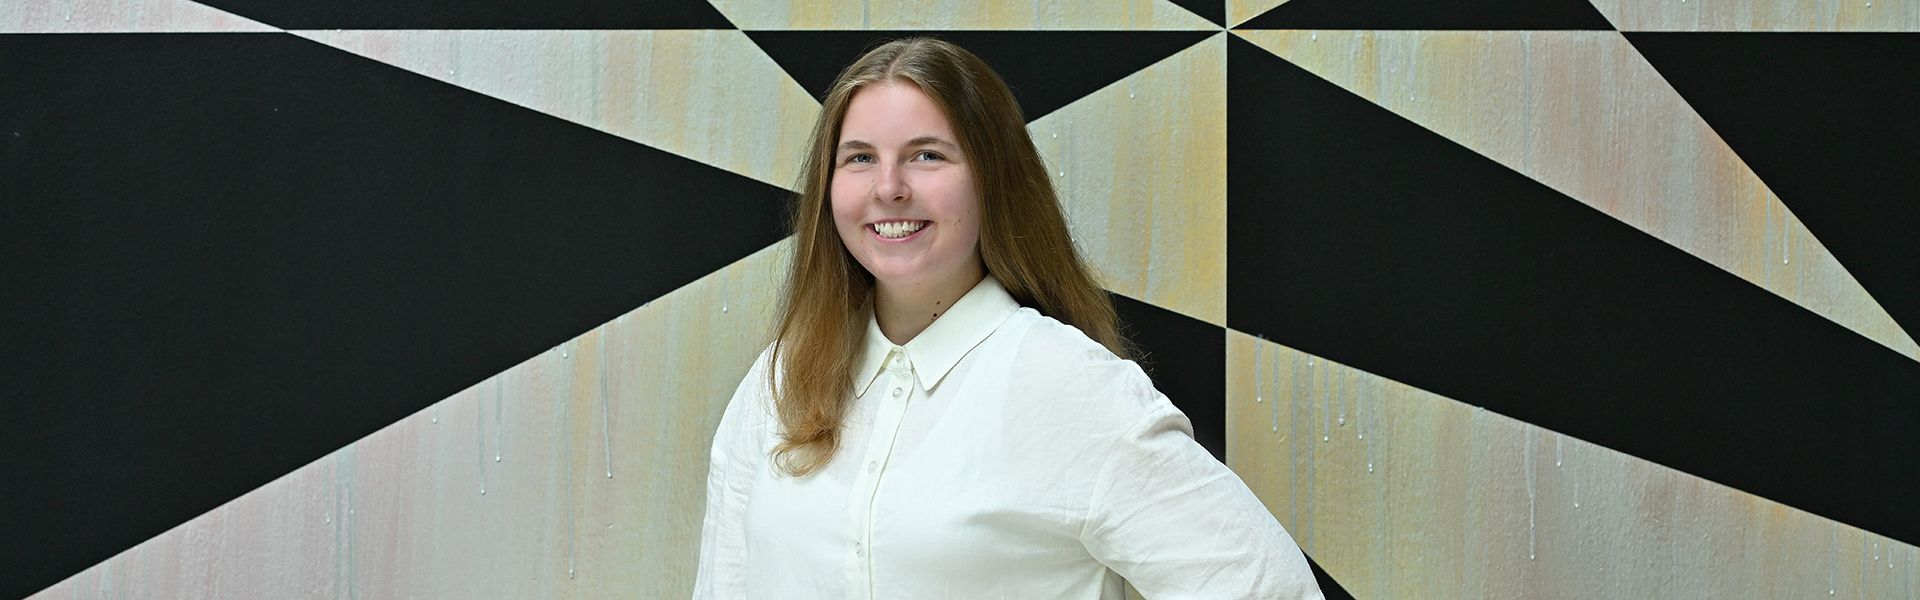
(1329, 588)
(1046, 69)
(1187, 360)
(463, 14)
(218, 275)
(1362, 237)
(1828, 122)
(1431, 14)
(1211, 10)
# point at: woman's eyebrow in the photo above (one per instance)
(925, 140)
(929, 140)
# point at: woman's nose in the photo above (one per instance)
(891, 184)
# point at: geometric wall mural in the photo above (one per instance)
(1563, 298)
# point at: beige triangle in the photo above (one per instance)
(1140, 166)
(1762, 15)
(120, 16)
(953, 15)
(1584, 113)
(1240, 11)
(709, 95)
(1385, 484)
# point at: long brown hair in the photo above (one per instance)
(1023, 240)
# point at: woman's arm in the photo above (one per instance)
(730, 473)
(1178, 524)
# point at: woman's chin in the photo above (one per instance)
(903, 276)
(896, 278)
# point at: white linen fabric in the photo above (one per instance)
(998, 454)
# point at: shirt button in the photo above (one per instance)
(898, 391)
(872, 464)
(858, 550)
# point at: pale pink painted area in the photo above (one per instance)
(120, 16)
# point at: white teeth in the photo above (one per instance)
(898, 229)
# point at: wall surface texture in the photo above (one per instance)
(1508, 299)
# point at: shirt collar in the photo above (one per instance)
(937, 349)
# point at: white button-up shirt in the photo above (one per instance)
(999, 454)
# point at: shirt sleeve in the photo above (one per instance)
(1178, 524)
(731, 468)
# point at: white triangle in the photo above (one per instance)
(1584, 113)
(709, 95)
(128, 16)
(1240, 11)
(1759, 15)
(951, 15)
(1140, 167)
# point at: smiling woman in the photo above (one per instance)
(946, 409)
(905, 205)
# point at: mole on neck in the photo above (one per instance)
(903, 311)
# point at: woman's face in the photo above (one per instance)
(903, 195)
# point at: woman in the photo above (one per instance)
(944, 411)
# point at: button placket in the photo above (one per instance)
(891, 409)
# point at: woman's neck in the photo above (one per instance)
(904, 310)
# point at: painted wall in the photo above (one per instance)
(1483, 299)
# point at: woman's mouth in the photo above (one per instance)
(898, 230)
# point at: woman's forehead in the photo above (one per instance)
(893, 112)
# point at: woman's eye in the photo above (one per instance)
(860, 158)
(927, 155)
